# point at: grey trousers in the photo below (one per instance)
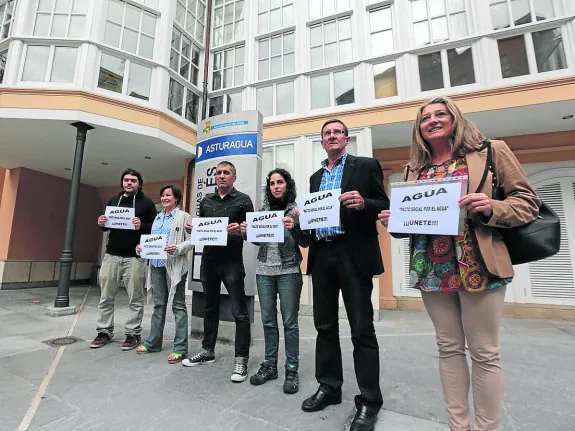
(130, 270)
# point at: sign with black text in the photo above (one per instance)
(427, 207)
(119, 218)
(319, 209)
(153, 246)
(210, 231)
(265, 226)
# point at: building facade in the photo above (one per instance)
(136, 70)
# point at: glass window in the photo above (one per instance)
(3, 58)
(549, 50)
(321, 8)
(111, 76)
(330, 43)
(234, 102)
(508, 13)
(430, 71)
(276, 56)
(277, 156)
(343, 87)
(274, 14)
(460, 61)
(276, 99)
(36, 63)
(130, 28)
(228, 21)
(185, 57)
(381, 32)
(139, 81)
(192, 106)
(175, 96)
(438, 20)
(320, 91)
(64, 58)
(513, 56)
(228, 67)
(61, 18)
(191, 15)
(6, 15)
(231, 102)
(265, 100)
(385, 80)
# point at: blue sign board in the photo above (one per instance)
(227, 145)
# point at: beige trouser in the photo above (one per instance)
(475, 317)
(130, 270)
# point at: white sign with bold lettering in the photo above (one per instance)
(210, 231)
(265, 226)
(119, 218)
(319, 209)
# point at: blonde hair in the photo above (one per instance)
(465, 137)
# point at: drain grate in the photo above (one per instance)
(62, 341)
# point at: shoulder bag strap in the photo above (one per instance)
(488, 165)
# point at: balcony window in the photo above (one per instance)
(191, 15)
(276, 99)
(130, 28)
(438, 20)
(321, 8)
(385, 80)
(61, 18)
(50, 64)
(114, 70)
(274, 14)
(185, 57)
(332, 89)
(6, 17)
(446, 68)
(228, 21)
(228, 67)
(276, 56)
(330, 43)
(381, 32)
(509, 13)
(184, 101)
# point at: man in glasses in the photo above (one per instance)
(345, 258)
(121, 263)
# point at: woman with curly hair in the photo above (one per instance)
(463, 278)
(278, 274)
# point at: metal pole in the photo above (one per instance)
(208, 29)
(66, 259)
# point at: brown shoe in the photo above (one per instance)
(131, 342)
(101, 340)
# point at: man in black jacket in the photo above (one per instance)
(121, 263)
(345, 258)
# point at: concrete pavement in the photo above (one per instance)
(108, 389)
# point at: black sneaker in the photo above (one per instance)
(267, 371)
(240, 373)
(131, 342)
(199, 359)
(100, 341)
(291, 382)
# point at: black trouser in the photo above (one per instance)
(333, 271)
(231, 273)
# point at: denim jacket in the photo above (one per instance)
(293, 239)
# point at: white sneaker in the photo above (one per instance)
(240, 373)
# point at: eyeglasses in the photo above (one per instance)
(335, 133)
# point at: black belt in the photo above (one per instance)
(331, 238)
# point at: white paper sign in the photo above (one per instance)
(210, 231)
(119, 218)
(265, 226)
(319, 209)
(153, 246)
(427, 207)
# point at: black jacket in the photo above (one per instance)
(123, 242)
(364, 175)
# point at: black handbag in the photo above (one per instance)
(533, 241)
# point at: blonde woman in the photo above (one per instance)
(462, 279)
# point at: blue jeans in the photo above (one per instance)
(288, 288)
(160, 290)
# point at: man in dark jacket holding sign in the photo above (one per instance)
(121, 263)
(346, 257)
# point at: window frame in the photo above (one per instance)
(223, 68)
(333, 106)
(184, 27)
(269, 57)
(180, 54)
(323, 15)
(3, 63)
(274, 86)
(338, 41)
(225, 107)
(215, 27)
(274, 145)
(49, 65)
(373, 10)
(530, 52)
(188, 88)
(7, 22)
(467, 11)
(445, 68)
(143, 11)
(268, 11)
(128, 60)
(52, 13)
(558, 5)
